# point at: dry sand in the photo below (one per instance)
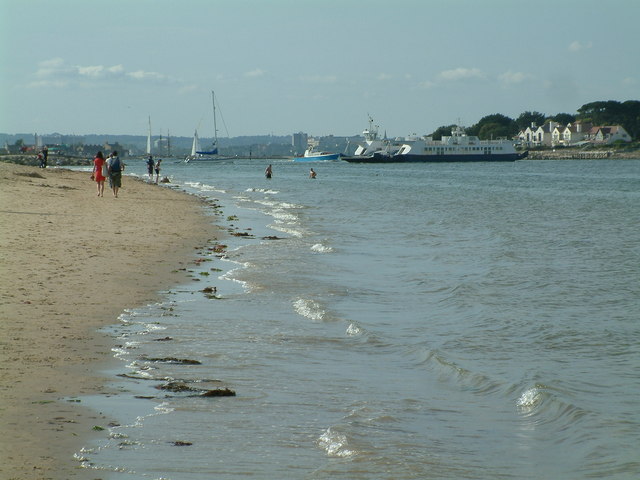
(71, 262)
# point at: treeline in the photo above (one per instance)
(610, 112)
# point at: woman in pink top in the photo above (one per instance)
(98, 162)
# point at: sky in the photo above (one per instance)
(80, 67)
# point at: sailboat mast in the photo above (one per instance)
(215, 125)
(149, 138)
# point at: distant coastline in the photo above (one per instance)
(547, 154)
(75, 160)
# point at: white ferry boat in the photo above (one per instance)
(458, 147)
(373, 144)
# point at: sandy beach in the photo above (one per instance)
(71, 262)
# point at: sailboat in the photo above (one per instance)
(212, 153)
(149, 138)
(195, 147)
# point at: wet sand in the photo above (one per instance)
(71, 262)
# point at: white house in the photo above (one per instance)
(553, 134)
(575, 133)
(608, 134)
(535, 136)
(557, 135)
(544, 134)
(526, 136)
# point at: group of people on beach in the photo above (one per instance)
(43, 156)
(151, 167)
(111, 168)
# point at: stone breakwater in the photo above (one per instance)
(53, 160)
(571, 154)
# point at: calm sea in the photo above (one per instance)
(451, 321)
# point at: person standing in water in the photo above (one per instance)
(150, 167)
(268, 172)
(157, 167)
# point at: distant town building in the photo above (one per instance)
(161, 144)
(299, 142)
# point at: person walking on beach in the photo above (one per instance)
(115, 168)
(157, 167)
(98, 173)
(268, 172)
(312, 173)
(105, 169)
(45, 156)
(150, 167)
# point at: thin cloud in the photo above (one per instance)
(48, 84)
(577, 46)
(100, 71)
(513, 78)
(258, 72)
(56, 73)
(187, 89)
(460, 73)
(51, 67)
(153, 76)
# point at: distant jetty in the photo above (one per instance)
(558, 154)
(580, 154)
(52, 161)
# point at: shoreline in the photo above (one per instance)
(560, 153)
(72, 262)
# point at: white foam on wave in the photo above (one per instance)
(152, 327)
(267, 203)
(353, 330)
(119, 352)
(203, 187)
(263, 190)
(229, 275)
(289, 231)
(309, 309)
(335, 444)
(284, 216)
(163, 408)
(320, 248)
(530, 398)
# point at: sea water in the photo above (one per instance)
(441, 321)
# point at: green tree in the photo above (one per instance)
(497, 125)
(612, 112)
(527, 118)
(563, 118)
(442, 131)
(495, 130)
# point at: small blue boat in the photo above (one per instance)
(310, 155)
